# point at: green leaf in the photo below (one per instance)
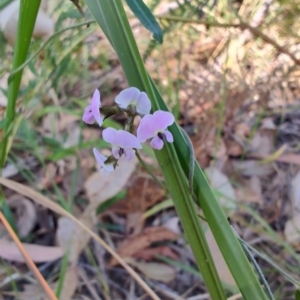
(143, 13)
(297, 295)
(4, 3)
(27, 16)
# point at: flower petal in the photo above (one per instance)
(127, 140)
(129, 154)
(88, 117)
(157, 143)
(110, 135)
(169, 136)
(127, 96)
(143, 105)
(95, 106)
(107, 168)
(115, 151)
(146, 129)
(99, 157)
(163, 119)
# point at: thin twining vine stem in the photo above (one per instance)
(271, 262)
(256, 265)
(146, 167)
(33, 56)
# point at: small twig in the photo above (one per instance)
(255, 264)
(28, 259)
(149, 171)
(268, 40)
(201, 22)
(243, 26)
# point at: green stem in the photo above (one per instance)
(149, 170)
(27, 16)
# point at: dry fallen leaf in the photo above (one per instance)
(155, 271)
(250, 191)
(9, 16)
(251, 168)
(292, 229)
(173, 224)
(221, 183)
(142, 194)
(71, 238)
(38, 253)
(143, 240)
(32, 292)
(262, 142)
(289, 158)
(25, 214)
(296, 192)
(100, 187)
(150, 253)
(70, 283)
(220, 263)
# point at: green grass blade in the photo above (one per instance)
(4, 3)
(27, 16)
(112, 19)
(143, 13)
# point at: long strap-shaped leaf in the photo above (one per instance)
(143, 13)
(27, 16)
(111, 17)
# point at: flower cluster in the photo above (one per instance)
(134, 103)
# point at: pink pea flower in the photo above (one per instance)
(92, 111)
(122, 142)
(101, 159)
(155, 126)
(133, 96)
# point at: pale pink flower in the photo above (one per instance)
(101, 159)
(133, 96)
(123, 142)
(92, 111)
(155, 127)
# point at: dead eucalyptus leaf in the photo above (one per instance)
(25, 214)
(32, 292)
(9, 16)
(143, 240)
(70, 283)
(289, 158)
(100, 187)
(292, 229)
(38, 253)
(251, 168)
(71, 238)
(220, 263)
(221, 183)
(250, 191)
(156, 271)
(262, 142)
(296, 192)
